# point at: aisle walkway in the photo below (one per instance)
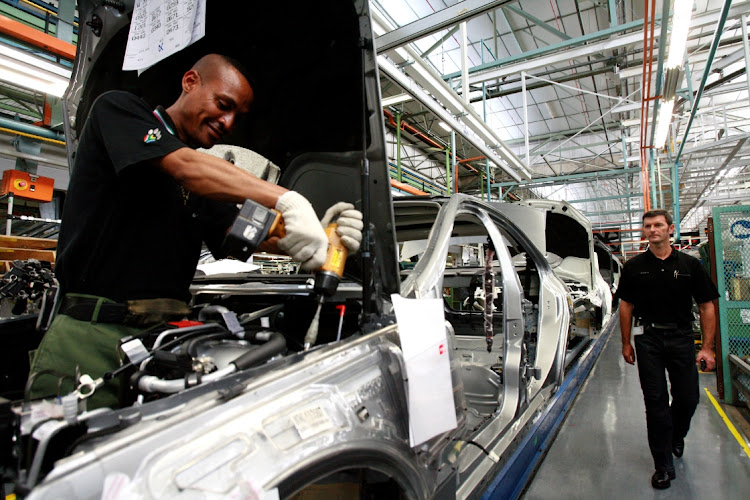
(601, 451)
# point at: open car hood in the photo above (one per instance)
(308, 117)
(568, 235)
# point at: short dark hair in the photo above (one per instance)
(657, 213)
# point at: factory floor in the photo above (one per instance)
(601, 451)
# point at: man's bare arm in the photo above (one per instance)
(626, 319)
(217, 179)
(707, 313)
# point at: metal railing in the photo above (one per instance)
(739, 375)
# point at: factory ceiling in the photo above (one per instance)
(561, 99)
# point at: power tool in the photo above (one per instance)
(327, 278)
(255, 224)
(252, 226)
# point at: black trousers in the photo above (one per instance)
(673, 351)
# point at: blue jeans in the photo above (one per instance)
(673, 351)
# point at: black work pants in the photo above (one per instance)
(673, 351)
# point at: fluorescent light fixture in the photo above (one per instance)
(555, 111)
(444, 126)
(25, 70)
(396, 99)
(682, 10)
(662, 123)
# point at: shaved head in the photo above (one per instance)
(211, 65)
(215, 92)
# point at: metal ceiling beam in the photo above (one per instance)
(482, 72)
(604, 198)
(462, 11)
(36, 38)
(746, 51)
(537, 85)
(697, 56)
(714, 45)
(509, 163)
(419, 79)
(508, 67)
(20, 111)
(437, 44)
(501, 13)
(612, 13)
(564, 178)
(537, 21)
(726, 61)
(615, 212)
(711, 185)
(562, 133)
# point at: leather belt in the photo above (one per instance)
(667, 326)
(85, 309)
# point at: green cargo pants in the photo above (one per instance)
(92, 347)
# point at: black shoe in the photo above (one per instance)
(678, 448)
(661, 479)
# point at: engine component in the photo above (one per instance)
(25, 284)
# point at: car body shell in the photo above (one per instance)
(303, 416)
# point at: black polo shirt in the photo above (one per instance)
(662, 291)
(129, 230)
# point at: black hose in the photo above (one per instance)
(275, 345)
(190, 345)
(199, 331)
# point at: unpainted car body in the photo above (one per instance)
(566, 238)
(341, 407)
(335, 416)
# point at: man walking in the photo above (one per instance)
(657, 289)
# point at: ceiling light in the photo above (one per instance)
(555, 111)
(444, 126)
(28, 71)
(662, 123)
(672, 77)
(396, 99)
(682, 9)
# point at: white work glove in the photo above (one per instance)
(305, 240)
(349, 224)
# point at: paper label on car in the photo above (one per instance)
(421, 330)
(311, 421)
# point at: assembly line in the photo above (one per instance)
(247, 294)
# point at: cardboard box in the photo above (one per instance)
(27, 186)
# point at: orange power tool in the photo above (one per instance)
(255, 225)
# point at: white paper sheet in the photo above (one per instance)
(227, 266)
(421, 326)
(159, 28)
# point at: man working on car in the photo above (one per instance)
(141, 201)
(657, 288)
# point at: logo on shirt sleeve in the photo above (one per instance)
(153, 135)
